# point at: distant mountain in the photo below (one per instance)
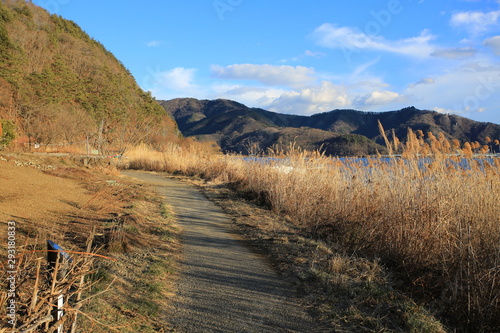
(238, 128)
(60, 86)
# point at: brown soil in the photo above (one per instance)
(29, 194)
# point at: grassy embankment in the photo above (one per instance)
(435, 226)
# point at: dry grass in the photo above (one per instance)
(432, 215)
(38, 288)
(346, 292)
(132, 226)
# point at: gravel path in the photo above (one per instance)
(224, 287)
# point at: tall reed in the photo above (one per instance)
(432, 215)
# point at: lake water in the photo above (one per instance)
(461, 163)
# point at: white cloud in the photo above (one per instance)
(376, 98)
(363, 67)
(173, 83)
(455, 53)
(322, 97)
(357, 91)
(470, 89)
(475, 22)
(313, 54)
(153, 43)
(254, 96)
(427, 80)
(443, 110)
(494, 44)
(178, 79)
(464, 112)
(267, 74)
(307, 53)
(351, 40)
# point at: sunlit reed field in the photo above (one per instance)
(431, 215)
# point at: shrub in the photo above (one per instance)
(8, 133)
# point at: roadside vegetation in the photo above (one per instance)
(429, 217)
(123, 242)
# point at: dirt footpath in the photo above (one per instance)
(224, 287)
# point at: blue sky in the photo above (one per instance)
(303, 57)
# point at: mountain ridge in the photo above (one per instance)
(237, 128)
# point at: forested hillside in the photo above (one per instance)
(236, 127)
(59, 86)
